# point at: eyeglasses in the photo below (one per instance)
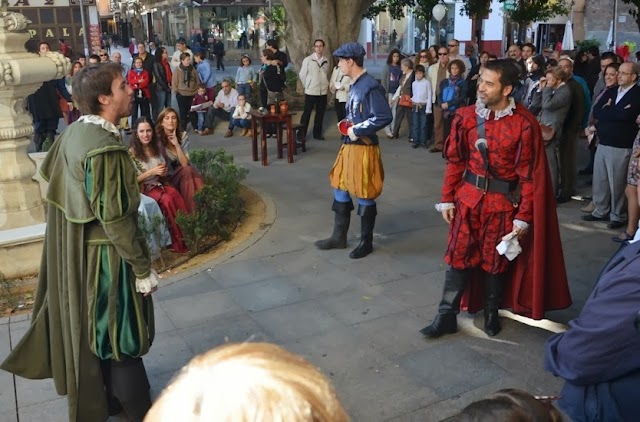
(423, 55)
(443, 54)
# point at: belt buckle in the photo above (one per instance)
(484, 186)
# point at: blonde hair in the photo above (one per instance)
(248, 382)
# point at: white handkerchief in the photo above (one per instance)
(509, 247)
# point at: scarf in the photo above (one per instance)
(186, 74)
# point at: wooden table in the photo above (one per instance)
(264, 120)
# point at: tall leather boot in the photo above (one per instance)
(130, 385)
(446, 322)
(493, 300)
(367, 215)
(338, 239)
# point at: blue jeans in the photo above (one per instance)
(163, 101)
(244, 89)
(419, 125)
(343, 196)
(201, 116)
(243, 123)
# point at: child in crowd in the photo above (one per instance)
(241, 116)
(201, 97)
(422, 101)
(245, 77)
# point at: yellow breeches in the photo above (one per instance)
(358, 170)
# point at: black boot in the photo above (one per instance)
(493, 300)
(338, 239)
(367, 215)
(130, 385)
(445, 322)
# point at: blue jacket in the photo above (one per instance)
(599, 356)
(205, 73)
(367, 108)
(587, 100)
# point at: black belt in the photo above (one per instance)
(490, 184)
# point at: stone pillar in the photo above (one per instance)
(21, 74)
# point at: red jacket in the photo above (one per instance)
(140, 81)
(537, 280)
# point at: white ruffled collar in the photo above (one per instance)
(485, 113)
(97, 120)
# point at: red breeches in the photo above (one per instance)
(473, 237)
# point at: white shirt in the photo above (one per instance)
(229, 101)
(242, 112)
(422, 93)
(622, 91)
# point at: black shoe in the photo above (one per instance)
(338, 239)
(434, 149)
(367, 215)
(563, 199)
(443, 324)
(492, 323)
(414, 146)
(493, 300)
(591, 217)
(614, 225)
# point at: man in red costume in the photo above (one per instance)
(497, 182)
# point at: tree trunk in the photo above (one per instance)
(334, 21)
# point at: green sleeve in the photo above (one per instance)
(112, 190)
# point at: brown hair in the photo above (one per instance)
(162, 138)
(269, 55)
(458, 63)
(136, 145)
(511, 405)
(558, 73)
(249, 382)
(92, 81)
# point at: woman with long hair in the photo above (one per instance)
(424, 58)
(152, 171)
(390, 80)
(175, 146)
(163, 75)
(452, 93)
(185, 84)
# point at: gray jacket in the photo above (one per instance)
(554, 106)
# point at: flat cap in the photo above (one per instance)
(351, 50)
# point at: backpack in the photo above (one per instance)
(449, 93)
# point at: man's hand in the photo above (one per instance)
(448, 215)
(444, 106)
(520, 232)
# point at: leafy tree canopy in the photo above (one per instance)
(524, 11)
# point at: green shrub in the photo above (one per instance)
(6, 292)
(586, 44)
(219, 207)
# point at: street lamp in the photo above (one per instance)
(438, 12)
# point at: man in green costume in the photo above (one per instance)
(93, 315)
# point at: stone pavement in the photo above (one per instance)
(358, 320)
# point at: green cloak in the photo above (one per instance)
(86, 307)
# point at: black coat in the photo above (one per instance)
(43, 104)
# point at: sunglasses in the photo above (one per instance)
(103, 55)
(443, 54)
(423, 55)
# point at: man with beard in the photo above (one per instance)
(497, 183)
(93, 315)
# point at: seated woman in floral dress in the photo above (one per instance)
(152, 171)
(175, 144)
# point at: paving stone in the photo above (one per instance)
(30, 392)
(451, 368)
(415, 291)
(7, 394)
(159, 381)
(355, 306)
(395, 335)
(195, 285)
(169, 352)
(162, 322)
(267, 294)
(195, 310)
(295, 321)
(240, 272)
(239, 328)
(54, 410)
